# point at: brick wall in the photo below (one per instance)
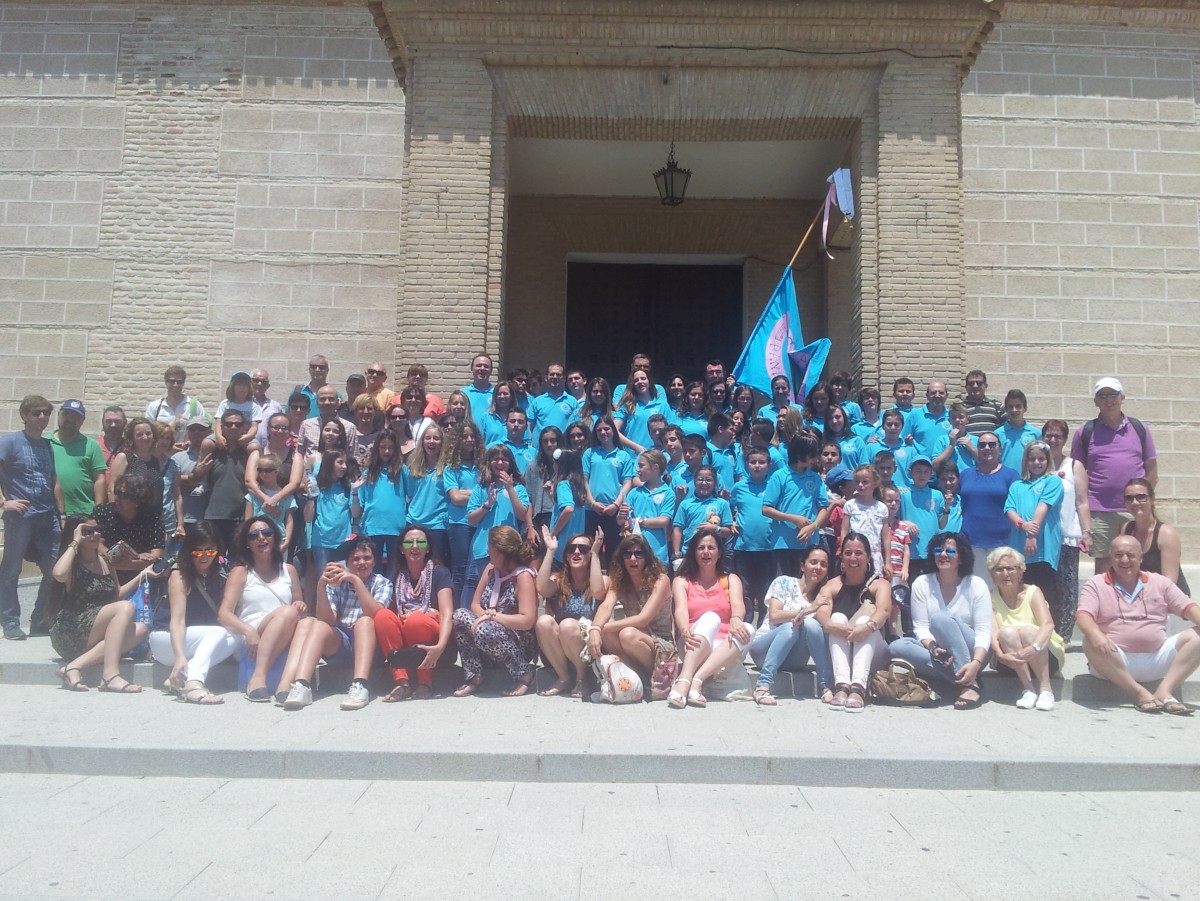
(1081, 154)
(178, 179)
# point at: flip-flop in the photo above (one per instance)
(400, 692)
(559, 686)
(1175, 707)
(1154, 705)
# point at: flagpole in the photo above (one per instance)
(804, 240)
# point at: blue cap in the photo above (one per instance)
(837, 475)
(73, 406)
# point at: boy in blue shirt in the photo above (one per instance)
(796, 499)
(921, 505)
(1016, 433)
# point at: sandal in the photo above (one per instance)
(68, 683)
(678, 699)
(171, 687)
(422, 693)
(1175, 707)
(838, 701)
(577, 691)
(559, 686)
(196, 692)
(469, 687)
(826, 695)
(962, 703)
(127, 689)
(696, 697)
(1153, 705)
(856, 700)
(763, 696)
(400, 692)
(522, 685)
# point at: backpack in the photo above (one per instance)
(1090, 426)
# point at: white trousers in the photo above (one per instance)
(203, 645)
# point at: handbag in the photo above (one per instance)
(664, 671)
(619, 682)
(898, 684)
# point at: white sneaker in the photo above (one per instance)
(1028, 699)
(357, 698)
(1045, 701)
(300, 696)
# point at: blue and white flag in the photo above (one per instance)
(776, 347)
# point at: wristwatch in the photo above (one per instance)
(1037, 647)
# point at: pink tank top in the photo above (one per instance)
(701, 600)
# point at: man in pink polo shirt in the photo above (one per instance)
(1123, 618)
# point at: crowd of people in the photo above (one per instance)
(680, 528)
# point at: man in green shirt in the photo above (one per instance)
(78, 461)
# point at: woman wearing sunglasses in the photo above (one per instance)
(418, 616)
(90, 620)
(195, 640)
(571, 593)
(262, 601)
(952, 621)
(1160, 543)
(638, 581)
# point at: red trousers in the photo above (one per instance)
(417, 628)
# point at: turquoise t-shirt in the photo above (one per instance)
(647, 504)
(331, 519)
(798, 493)
(426, 497)
(501, 514)
(635, 426)
(575, 524)
(693, 512)
(754, 529)
(606, 471)
(1023, 498)
(458, 478)
(384, 508)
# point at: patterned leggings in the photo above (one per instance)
(497, 643)
(1068, 593)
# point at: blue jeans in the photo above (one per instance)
(789, 648)
(474, 568)
(39, 532)
(955, 635)
(460, 555)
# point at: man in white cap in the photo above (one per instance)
(1113, 448)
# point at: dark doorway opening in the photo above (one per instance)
(682, 316)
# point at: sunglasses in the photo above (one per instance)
(376, 372)
(945, 552)
(397, 418)
(260, 533)
(633, 552)
(175, 381)
(260, 381)
(206, 554)
(321, 366)
(88, 531)
(299, 408)
(122, 494)
(415, 542)
(267, 469)
(989, 443)
(579, 548)
(1130, 498)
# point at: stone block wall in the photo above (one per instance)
(1081, 172)
(212, 185)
